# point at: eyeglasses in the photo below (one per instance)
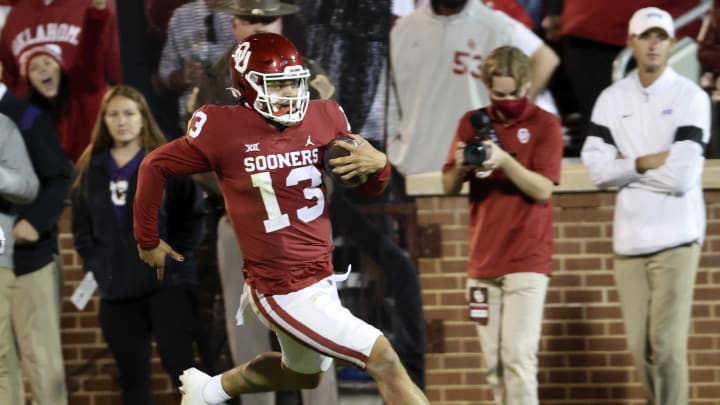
(210, 25)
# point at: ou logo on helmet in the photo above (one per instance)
(241, 56)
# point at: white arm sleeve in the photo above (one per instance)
(683, 168)
(599, 153)
(523, 38)
(18, 183)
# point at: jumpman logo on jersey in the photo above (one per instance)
(309, 141)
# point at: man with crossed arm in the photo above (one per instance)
(647, 137)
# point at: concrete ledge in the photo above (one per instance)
(574, 179)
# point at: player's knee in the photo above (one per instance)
(384, 362)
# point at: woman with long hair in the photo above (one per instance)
(135, 306)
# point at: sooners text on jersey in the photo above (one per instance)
(272, 182)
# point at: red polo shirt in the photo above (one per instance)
(509, 232)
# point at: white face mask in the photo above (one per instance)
(286, 107)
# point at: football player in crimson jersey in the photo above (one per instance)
(267, 153)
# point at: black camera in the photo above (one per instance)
(475, 152)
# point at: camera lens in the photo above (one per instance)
(475, 153)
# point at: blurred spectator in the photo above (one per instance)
(251, 338)
(33, 23)
(593, 34)
(19, 185)
(134, 305)
(70, 92)
(157, 15)
(709, 57)
(38, 292)
(535, 9)
(197, 35)
(709, 51)
(141, 32)
(215, 80)
(513, 9)
(511, 217)
(646, 139)
(436, 54)
(349, 39)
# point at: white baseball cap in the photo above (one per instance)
(651, 17)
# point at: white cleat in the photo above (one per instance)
(192, 382)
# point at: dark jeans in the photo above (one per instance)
(712, 150)
(403, 300)
(129, 326)
(589, 68)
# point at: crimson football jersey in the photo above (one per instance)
(272, 183)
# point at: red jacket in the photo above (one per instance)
(30, 22)
(87, 86)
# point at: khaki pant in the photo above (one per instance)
(511, 337)
(10, 378)
(252, 338)
(36, 323)
(656, 293)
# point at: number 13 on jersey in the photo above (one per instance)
(276, 218)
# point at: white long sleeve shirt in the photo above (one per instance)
(436, 69)
(662, 207)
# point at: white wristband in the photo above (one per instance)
(213, 392)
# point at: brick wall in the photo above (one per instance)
(583, 359)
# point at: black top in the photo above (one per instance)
(107, 245)
(54, 172)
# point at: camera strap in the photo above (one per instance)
(484, 128)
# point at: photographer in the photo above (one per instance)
(511, 153)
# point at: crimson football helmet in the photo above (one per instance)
(267, 72)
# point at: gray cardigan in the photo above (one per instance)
(18, 184)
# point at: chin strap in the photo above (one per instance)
(235, 92)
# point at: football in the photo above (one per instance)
(334, 151)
